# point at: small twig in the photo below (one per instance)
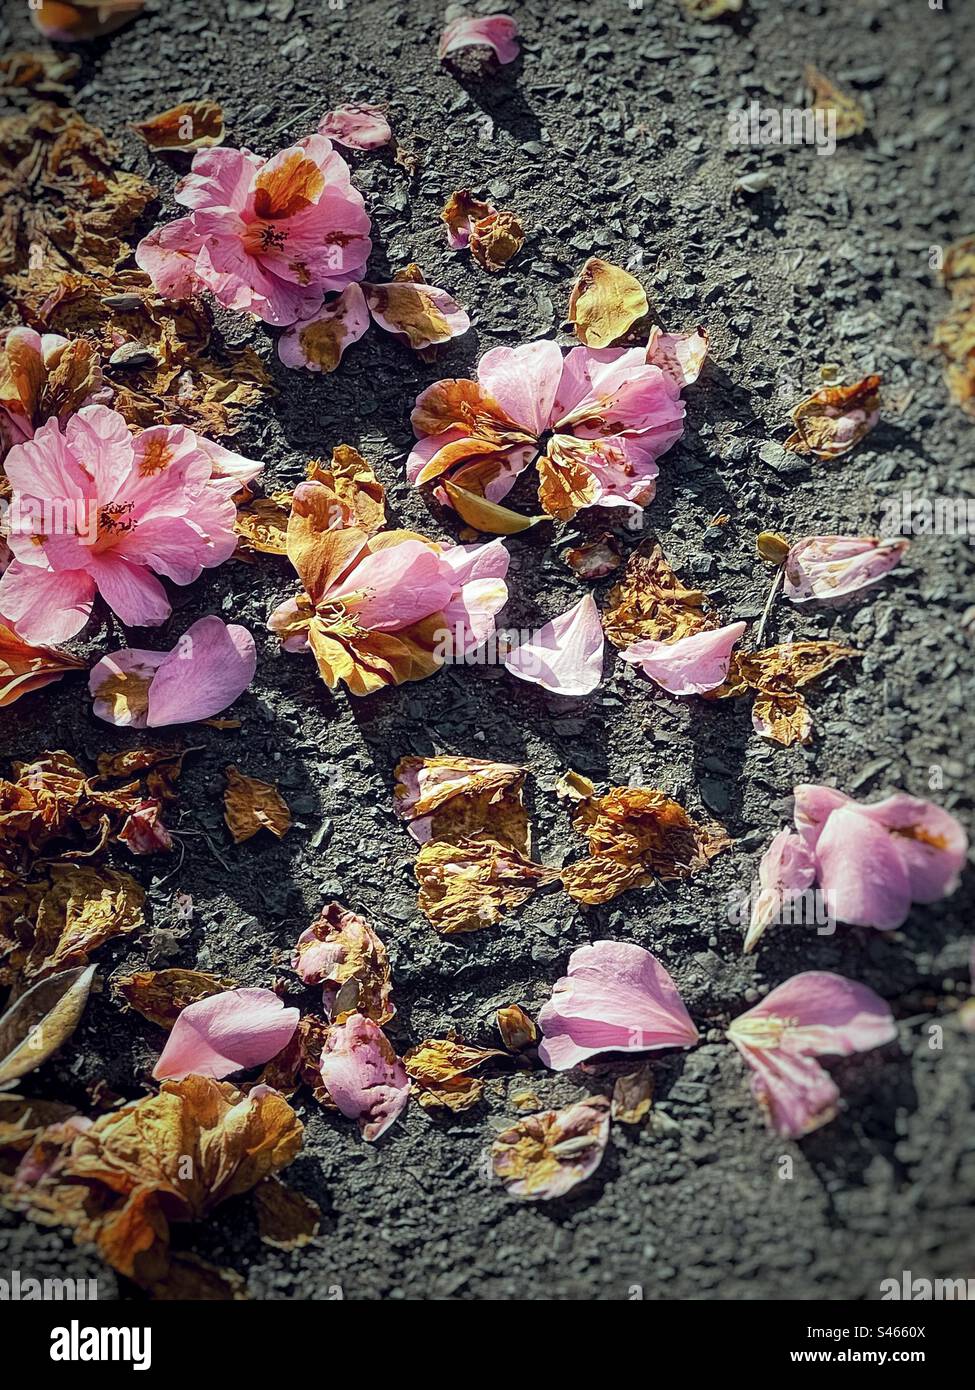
(291, 120)
(768, 605)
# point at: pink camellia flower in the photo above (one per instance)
(357, 126)
(208, 668)
(226, 1032)
(566, 655)
(812, 1015)
(616, 997)
(787, 867)
(95, 509)
(269, 237)
(689, 666)
(595, 422)
(363, 1075)
(827, 567)
(495, 31)
(869, 862)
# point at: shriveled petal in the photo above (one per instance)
(211, 664)
(616, 997)
(225, 1032)
(319, 342)
(691, 665)
(830, 567)
(419, 315)
(787, 866)
(548, 1154)
(566, 655)
(680, 356)
(363, 1075)
(495, 31)
(358, 127)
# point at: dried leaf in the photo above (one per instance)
(517, 1030)
(605, 303)
(286, 1219)
(162, 995)
(831, 421)
(192, 125)
(251, 805)
(473, 883)
(851, 119)
(438, 1068)
(632, 1096)
(41, 1021)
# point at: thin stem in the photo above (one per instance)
(768, 605)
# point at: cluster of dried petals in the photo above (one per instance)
(444, 798)
(94, 509)
(380, 610)
(493, 237)
(358, 126)
(776, 677)
(954, 336)
(616, 997)
(269, 237)
(595, 422)
(548, 1154)
(474, 881)
(835, 418)
(341, 952)
(440, 1071)
(871, 863)
(58, 918)
(812, 1015)
(44, 378)
(210, 665)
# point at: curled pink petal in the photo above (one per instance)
(930, 843)
(363, 1075)
(226, 1032)
(616, 997)
(317, 343)
(143, 831)
(787, 866)
(418, 314)
(358, 126)
(566, 655)
(812, 1015)
(495, 31)
(689, 666)
(680, 356)
(829, 567)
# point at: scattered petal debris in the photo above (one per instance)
(474, 882)
(835, 418)
(439, 1070)
(812, 1015)
(192, 125)
(162, 995)
(357, 126)
(831, 567)
(548, 1154)
(605, 303)
(341, 952)
(616, 997)
(776, 676)
(251, 805)
(517, 1029)
(58, 917)
(632, 1096)
(849, 115)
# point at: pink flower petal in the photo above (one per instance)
(168, 256)
(930, 843)
(524, 381)
(318, 343)
(479, 594)
(211, 664)
(860, 872)
(811, 1015)
(495, 31)
(359, 127)
(566, 655)
(225, 1033)
(418, 315)
(689, 666)
(44, 606)
(616, 997)
(787, 866)
(131, 669)
(680, 356)
(395, 586)
(363, 1075)
(548, 1154)
(830, 567)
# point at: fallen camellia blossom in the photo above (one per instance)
(419, 315)
(439, 1070)
(787, 867)
(616, 997)
(75, 21)
(812, 1015)
(473, 882)
(193, 125)
(223, 1033)
(24, 668)
(827, 567)
(446, 798)
(43, 378)
(341, 952)
(636, 835)
(363, 1075)
(357, 126)
(268, 237)
(595, 422)
(566, 655)
(211, 664)
(120, 1181)
(383, 610)
(162, 995)
(954, 336)
(776, 676)
(605, 303)
(494, 31)
(251, 805)
(548, 1154)
(870, 862)
(691, 665)
(95, 509)
(835, 418)
(847, 113)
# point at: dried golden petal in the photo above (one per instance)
(370, 661)
(632, 1096)
(470, 885)
(411, 311)
(495, 239)
(192, 125)
(43, 73)
(132, 760)
(605, 303)
(450, 798)
(438, 1066)
(572, 786)
(262, 524)
(24, 667)
(772, 547)
(461, 209)
(251, 805)
(162, 995)
(517, 1029)
(83, 908)
(74, 21)
(789, 666)
(487, 516)
(565, 484)
(602, 878)
(782, 718)
(285, 1219)
(650, 602)
(359, 496)
(851, 119)
(356, 975)
(40, 1021)
(831, 421)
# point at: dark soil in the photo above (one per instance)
(607, 137)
